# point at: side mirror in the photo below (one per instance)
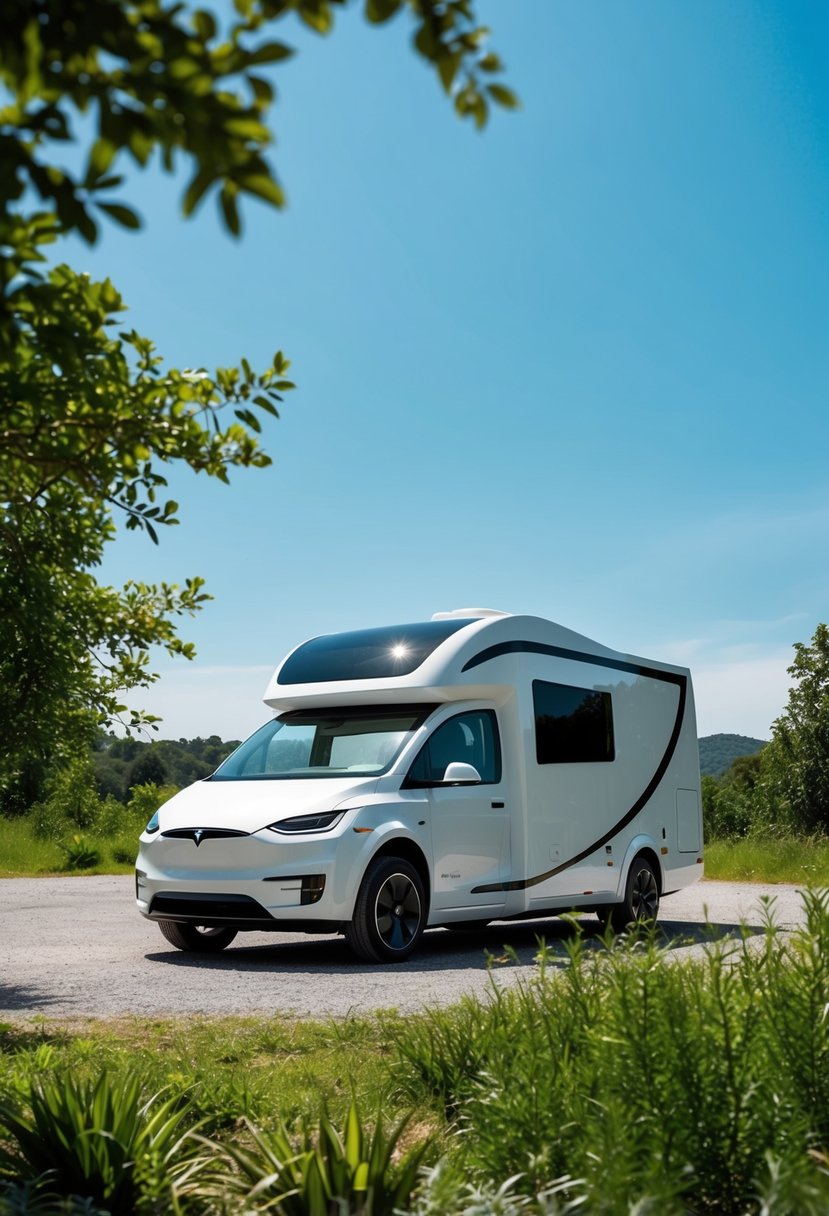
(459, 773)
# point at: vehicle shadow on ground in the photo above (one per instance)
(498, 946)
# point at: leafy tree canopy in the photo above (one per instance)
(797, 759)
(91, 417)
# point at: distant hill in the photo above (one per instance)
(718, 752)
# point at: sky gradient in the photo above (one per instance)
(574, 366)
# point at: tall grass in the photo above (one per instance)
(689, 1087)
(802, 859)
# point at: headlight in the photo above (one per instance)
(307, 823)
(153, 825)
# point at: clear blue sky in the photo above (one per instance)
(575, 366)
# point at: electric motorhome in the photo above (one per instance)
(478, 766)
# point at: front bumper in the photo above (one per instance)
(253, 881)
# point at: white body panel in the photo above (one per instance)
(542, 837)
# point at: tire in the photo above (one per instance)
(195, 938)
(390, 912)
(641, 902)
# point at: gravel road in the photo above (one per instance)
(75, 948)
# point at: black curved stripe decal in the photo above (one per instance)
(580, 656)
(651, 673)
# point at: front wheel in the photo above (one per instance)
(641, 902)
(196, 938)
(390, 912)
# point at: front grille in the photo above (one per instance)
(198, 835)
(204, 908)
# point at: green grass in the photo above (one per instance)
(231, 1067)
(24, 855)
(796, 860)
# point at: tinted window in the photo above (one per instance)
(366, 654)
(572, 724)
(471, 738)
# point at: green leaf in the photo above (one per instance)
(263, 90)
(426, 43)
(447, 67)
(230, 211)
(504, 96)
(200, 183)
(122, 215)
(262, 186)
(378, 11)
(101, 156)
(248, 128)
(491, 63)
(316, 14)
(270, 52)
(204, 24)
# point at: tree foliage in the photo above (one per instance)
(784, 788)
(91, 418)
(797, 760)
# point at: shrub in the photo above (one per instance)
(102, 1142)
(80, 854)
(146, 799)
(48, 821)
(326, 1173)
(73, 792)
(124, 852)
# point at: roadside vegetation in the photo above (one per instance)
(766, 818)
(613, 1082)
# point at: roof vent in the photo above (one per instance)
(467, 614)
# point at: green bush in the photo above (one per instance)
(79, 853)
(700, 1087)
(72, 791)
(146, 799)
(124, 852)
(48, 821)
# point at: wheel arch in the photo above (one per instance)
(402, 846)
(643, 848)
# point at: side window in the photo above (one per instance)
(471, 738)
(572, 724)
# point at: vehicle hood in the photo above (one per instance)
(249, 806)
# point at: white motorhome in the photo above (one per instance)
(475, 767)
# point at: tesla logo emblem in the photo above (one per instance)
(197, 835)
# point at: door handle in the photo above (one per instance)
(498, 806)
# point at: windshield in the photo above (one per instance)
(354, 742)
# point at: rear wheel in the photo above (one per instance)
(641, 902)
(390, 912)
(196, 938)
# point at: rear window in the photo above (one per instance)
(366, 654)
